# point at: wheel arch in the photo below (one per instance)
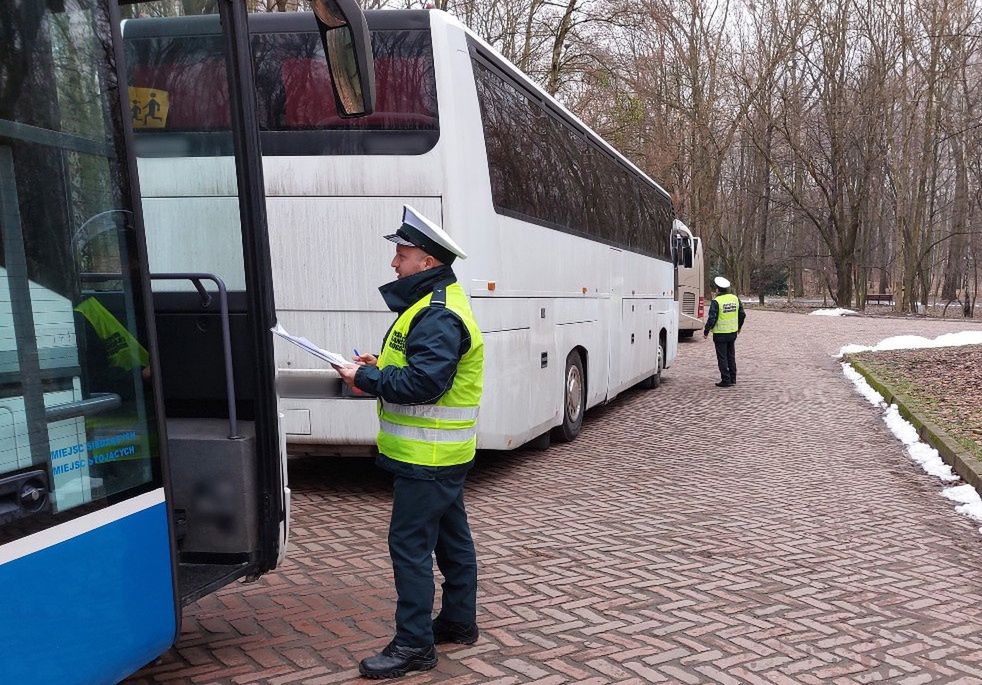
(585, 358)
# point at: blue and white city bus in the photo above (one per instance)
(141, 465)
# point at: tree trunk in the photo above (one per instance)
(559, 46)
(765, 208)
(844, 264)
(955, 263)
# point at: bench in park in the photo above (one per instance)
(879, 298)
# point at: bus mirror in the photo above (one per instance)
(687, 256)
(348, 48)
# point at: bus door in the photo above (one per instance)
(203, 207)
(93, 513)
(192, 105)
(86, 561)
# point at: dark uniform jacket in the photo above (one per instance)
(436, 341)
(714, 314)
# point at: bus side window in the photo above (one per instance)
(545, 172)
(683, 252)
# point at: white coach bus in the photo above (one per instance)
(690, 283)
(570, 271)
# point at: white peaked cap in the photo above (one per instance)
(721, 282)
(418, 231)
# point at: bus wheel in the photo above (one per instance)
(686, 333)
(574, 400)
(540, 443)
(654, 380)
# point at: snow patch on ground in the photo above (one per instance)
(833, 312)
(916, 342)
(925, 455)
(862, 387)
(968, 500)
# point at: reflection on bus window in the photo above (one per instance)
(179, 100)
(294, 83)
(71, 409)
(545, 171)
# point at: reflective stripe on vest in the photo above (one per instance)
(431, 411)
(727, 313)
(443, 433)
(428, 434)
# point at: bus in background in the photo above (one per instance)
(690, 282)
(119, 500)
(570, 271)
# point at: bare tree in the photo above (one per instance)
(829, 147)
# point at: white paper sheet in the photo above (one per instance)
(332, 358)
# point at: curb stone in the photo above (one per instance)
(966, 465)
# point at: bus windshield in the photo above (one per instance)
(294, 84)
(179, 99)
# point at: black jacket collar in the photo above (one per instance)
(403, 293)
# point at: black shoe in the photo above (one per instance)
(458, 633)
(396, 661)
(723, 384)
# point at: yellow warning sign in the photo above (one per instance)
(149, 107)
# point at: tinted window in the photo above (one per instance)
(543, 170)
(294, 84)
(76, 402)
(179, 96)
(177, 83)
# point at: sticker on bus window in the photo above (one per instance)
(149, 107)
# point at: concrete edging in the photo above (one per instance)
(966, 465)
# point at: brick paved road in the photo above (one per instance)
(814, 552)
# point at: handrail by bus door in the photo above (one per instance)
(196, 278)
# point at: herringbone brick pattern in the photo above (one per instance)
(770, 533)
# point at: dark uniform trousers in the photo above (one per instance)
(726, 356)
(428, 516)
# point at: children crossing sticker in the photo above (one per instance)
(149, 107)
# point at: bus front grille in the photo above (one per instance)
(689, 304)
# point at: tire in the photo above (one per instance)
(541, 443)
(654, 380)
(687, 334)
(574, 400)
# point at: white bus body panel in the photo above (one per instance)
(54, 330)
(191, 211)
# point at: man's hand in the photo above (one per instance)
(705, 335)
(366, 360)
(347, 373)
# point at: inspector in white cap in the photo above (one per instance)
(418, 231)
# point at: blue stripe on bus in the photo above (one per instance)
(92, 609)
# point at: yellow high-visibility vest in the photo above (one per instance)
(123, 350)
(444, 433)
(727, 313)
